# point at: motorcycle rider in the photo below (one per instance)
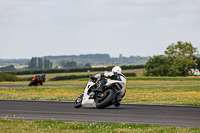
(116, 74)
(40, 78)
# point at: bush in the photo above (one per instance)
(179, 61)
(8, 77)
(68, 77)
(168, 66)
(27, 79)
(130, 74)
(7, 68)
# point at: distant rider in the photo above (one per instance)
(116, 74)
(40, 78)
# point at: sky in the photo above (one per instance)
(37, 28)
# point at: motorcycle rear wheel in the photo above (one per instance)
(77, 103)
(33, 83)
(107, 100)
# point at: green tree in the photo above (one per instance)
(32, 63)
(64, 61)
(7, 68)
(179, 61)
(50, 65)
(157, 66)
(47, 64)
(198, 63)
(181, 50)
(26, 62)
(87, 65)
(70, 64)
(184, 53)
(40, 63)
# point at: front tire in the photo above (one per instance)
(106, 100)
(78, 101)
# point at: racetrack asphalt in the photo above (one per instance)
(165, 115)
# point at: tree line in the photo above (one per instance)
(81, 60)
(24, 72)
(7, 68)
(38, 63)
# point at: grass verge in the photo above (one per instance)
(154, 94)
(52, 126)
(146, 80)
(166, 78)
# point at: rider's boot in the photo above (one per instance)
(118, 100)
(117, 104)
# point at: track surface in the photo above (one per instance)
(182, 116)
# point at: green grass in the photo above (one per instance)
(77, 82)
(139, 92)
(49, 76)
(165, 78)
(164, 95)
(130, 80)
(52, 126)
(163, 83)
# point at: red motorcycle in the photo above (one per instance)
(38, 80)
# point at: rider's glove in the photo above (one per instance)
(92, 77)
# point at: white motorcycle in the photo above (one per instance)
(101, 98)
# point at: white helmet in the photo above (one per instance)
(117, 69)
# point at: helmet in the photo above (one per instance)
(42, 77)
(117, 69)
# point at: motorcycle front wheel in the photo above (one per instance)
(106, 100)
(78, 101)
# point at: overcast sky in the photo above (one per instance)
(36, 28)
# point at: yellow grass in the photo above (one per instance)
(145, 92)
(52, 75)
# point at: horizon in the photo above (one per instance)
(73, 55)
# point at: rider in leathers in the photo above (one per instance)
(40, 78)
(114, 75)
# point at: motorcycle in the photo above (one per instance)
(93, 97)
(38, 80)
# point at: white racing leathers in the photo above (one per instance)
(113, 78)
(103, 90)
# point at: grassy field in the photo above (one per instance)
(51, 126)
(48, 76)
(138, 72)
(140, 92)
(137, 81)
(162, 83)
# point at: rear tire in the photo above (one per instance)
(107, 100)
(78, 101)
(33, 83)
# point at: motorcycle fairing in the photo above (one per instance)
(86, 102)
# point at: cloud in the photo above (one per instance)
(132, 27)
